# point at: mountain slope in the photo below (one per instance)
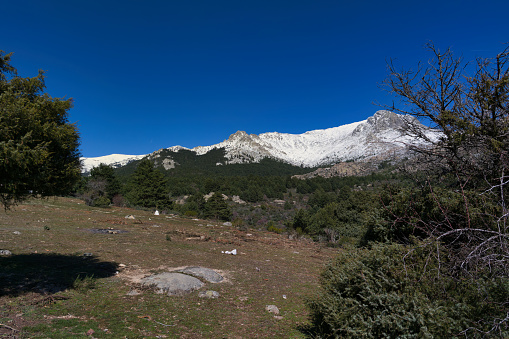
(375, 137)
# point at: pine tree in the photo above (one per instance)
(107, 174)
(147, 187)
(39, 153)
(217, 208)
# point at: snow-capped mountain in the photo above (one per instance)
(115, 160)
(376, 136)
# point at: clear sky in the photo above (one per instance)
(149, 74)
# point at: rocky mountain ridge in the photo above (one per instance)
(376, 137)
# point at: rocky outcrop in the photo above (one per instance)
(344, 169)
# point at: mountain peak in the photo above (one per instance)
(238, 135)
(385, 119)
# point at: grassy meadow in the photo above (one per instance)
(74, 272)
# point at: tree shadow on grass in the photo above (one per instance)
(48, 273)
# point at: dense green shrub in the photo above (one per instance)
(392, 291)
(427, 211)
(101, 202)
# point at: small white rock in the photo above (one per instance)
(272, 309)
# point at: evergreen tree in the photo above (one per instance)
(39, 153)
(106, 173)
(101, 186)
(147, 187)
(217, 208)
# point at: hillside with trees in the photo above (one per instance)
(422, 243)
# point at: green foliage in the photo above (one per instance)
(107, 173)
(392, 291)
(39, 153)
(206, 166)
(101, 201)
(333, 215)
(273, 228)
(190, 213)
(147, 187)
(301, 220)
(84, 284)
(217, 208)
(102, 187)
(407, 213)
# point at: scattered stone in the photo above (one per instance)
(272, 309)
(17, 232)
(90, 332)
(172, 283)
(232, 252)
(130, 216)
(106, 231)
(208, 294)
(227, 223)
(156, 212)
(122, 265)
(5, 253)
(278, 317)
(204, 273)
(132, 293)
(88, 255)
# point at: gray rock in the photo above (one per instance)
(17, 232)
(208, 294)
(227, 223)
(133, 293)
(5, 253)
(172, 283)
(272, 309)
(204, 273)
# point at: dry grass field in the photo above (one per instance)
(75, 270)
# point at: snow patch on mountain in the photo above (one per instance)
(114, 160)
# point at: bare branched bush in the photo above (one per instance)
(463, 165)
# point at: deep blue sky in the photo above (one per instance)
(149, 74)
